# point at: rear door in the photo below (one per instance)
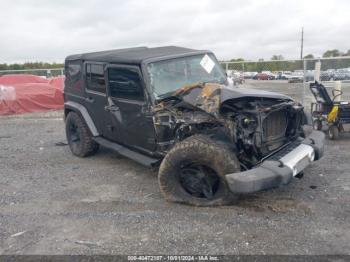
(128, 107)
(96, 97)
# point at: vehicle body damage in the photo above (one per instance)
(173, 106)
(254, 122)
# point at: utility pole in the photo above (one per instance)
(302, 43)
(303, 62)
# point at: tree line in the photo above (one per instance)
(328, 53)
(30, 65)
(277, 63)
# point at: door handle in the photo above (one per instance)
(90, 99)
(112, 108)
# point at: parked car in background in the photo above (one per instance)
(283, 75)
(341, 74)
(331, 72)
(261, 76)
(296, 77)
(264, 76)
(249, 75)
(271, 75)
(347, 73)
(326, 76)
(237, 78)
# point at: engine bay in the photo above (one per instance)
(260, 126)
(255, 127)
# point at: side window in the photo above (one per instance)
(95, 78)
(73, 73)
(125, 83)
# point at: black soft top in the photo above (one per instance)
(135, 55)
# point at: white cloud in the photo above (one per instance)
(39, 30)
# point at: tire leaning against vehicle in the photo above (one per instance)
(201, 150)
(79, 137)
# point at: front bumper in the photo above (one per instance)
(280, 168)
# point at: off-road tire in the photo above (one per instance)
(85, 146)
(317, 124)
(333, 132)
(202, 150)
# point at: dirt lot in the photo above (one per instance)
(54, 203)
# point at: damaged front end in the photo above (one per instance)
(175, 120)
(256, 124)
(261, 126)
(264, 130)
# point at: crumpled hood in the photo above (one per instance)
(230, 93)
(210, 96)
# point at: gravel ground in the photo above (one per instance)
(54, 203)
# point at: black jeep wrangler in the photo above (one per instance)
(173, 106)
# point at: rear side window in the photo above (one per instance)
(95, 79)
(73, 73)
(125, 83)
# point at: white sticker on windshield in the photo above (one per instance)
(207, 63)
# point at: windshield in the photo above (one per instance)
(169, 75)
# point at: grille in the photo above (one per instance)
(275, 125)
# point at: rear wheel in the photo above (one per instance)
(193, 172)
(79, 137)
(333, 132)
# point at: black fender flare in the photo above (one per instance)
(76, 107)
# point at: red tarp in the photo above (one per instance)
(30, 93)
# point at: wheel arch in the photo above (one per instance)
(81, 110)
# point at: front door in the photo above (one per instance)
(129, 108)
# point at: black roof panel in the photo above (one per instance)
(134, 55)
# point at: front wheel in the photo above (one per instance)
(193, 172)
